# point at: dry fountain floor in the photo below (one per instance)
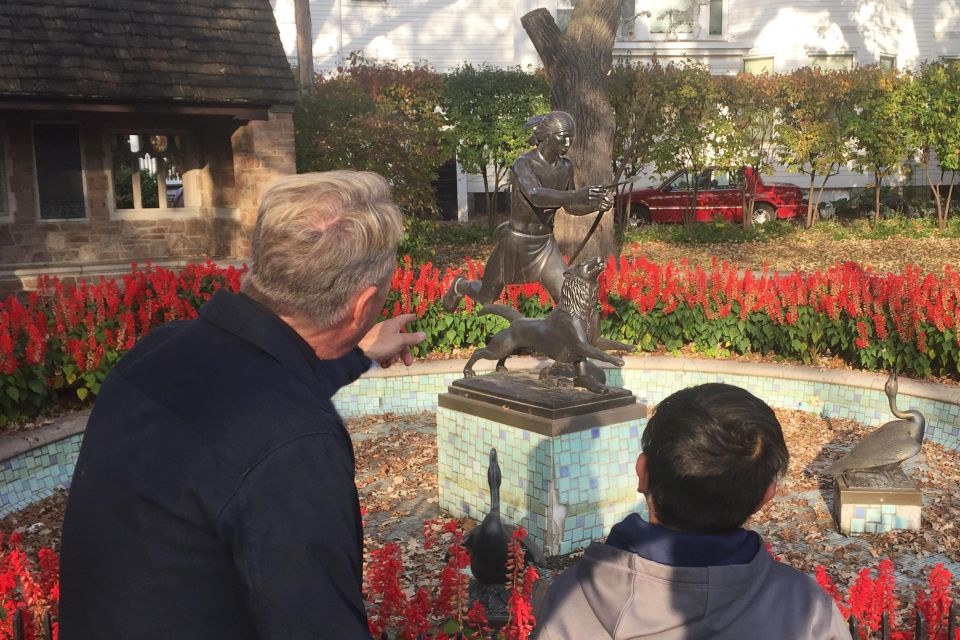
(397, 481)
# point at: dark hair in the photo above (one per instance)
(712, 451)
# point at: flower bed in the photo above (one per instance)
(61, 341)
(443, 610)
(872, 321)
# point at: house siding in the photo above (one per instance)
(446, 34)
(440, 32)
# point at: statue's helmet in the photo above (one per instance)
(546, 124)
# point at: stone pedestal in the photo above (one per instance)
(876, 502)
(567, 456)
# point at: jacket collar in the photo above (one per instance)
(680, 548)
(249, 320)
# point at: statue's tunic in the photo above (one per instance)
(526, 250)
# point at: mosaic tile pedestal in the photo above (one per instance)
(872, 503)
(566, 480)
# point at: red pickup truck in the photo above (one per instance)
(719, 196)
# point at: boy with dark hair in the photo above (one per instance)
(712, 456)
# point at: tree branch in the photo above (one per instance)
(545, 35)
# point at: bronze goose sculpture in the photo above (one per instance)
(488, 541)
(888, 446)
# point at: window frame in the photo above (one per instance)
(6, 211)
(36, 174)
(891, 57)
(191, 210)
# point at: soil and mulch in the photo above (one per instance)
(397, 481)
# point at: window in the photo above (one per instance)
(4, 210)
(888, 62)
(564, 10)
(59, 170)
(832, 61)
(723, 179)
(628, 18)
(625, 29)
(673, 16)
(759, 65)
(716, 18)
(147, 171)
(680, 183)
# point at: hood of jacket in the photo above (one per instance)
(627, 595)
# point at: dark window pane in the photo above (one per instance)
(59, 171)
(716, 17)
(628, 16)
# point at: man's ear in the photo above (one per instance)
(768, 495)
(362, 308)
(642, 473)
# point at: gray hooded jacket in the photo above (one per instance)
(617, 594)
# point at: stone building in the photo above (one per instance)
(136, 130)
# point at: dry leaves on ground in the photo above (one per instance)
(397, 480)
(787, 254)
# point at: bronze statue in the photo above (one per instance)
(525, 249)
(569, 334)
(884, 449)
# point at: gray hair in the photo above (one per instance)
(320, 239)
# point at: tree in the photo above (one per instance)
(813, 134)
(636, 93)
(304, 42)
(694, 131)
(381, 118)
(936, 120)
(751, 105)
(880, 128)
(577, 62)
(488, 108)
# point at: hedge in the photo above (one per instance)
(60, 342)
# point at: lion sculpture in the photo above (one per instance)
(569, 334)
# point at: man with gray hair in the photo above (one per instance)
(214, 494)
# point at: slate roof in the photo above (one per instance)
(221, 52)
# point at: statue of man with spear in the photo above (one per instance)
(525, 249)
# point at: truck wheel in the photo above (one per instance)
(763, 212)
(639, 216)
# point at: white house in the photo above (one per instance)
(727, 35)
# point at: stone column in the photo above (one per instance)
(263, 151)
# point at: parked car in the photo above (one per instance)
(719, 196)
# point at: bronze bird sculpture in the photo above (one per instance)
(889, 445)
(488, 541)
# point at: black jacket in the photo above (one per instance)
(214, 495)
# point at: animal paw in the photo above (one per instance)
(588, 383)
(468, 373)
(501, 368)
